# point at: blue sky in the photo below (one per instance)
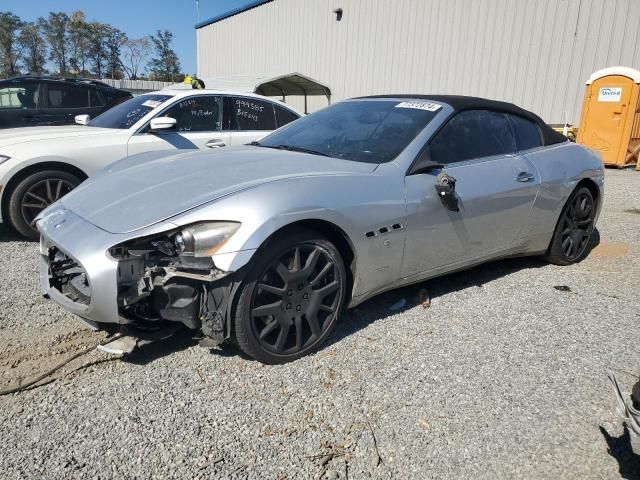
(136, 17)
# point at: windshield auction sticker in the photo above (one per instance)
(151, 103)
(428, 106)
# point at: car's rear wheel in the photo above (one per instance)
(35, 193)
(291, 298)
(570, 242)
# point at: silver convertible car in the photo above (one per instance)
(265, 244)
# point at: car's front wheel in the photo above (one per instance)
(570, 242)
(291, 298)
(35, 193)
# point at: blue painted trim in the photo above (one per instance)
(231, 13)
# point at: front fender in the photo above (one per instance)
(14, 166)
(356, 204)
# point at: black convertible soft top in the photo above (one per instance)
(460, 103)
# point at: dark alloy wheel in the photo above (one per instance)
(34, 194)
(295, 295)
(571, 238)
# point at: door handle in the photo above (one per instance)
(215, 143)
(525, 177)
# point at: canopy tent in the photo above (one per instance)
(278, 86)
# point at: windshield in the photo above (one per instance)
(371, 131)
(127, 113)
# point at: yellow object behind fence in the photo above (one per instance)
(572, 132)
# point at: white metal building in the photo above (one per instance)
(535, 53)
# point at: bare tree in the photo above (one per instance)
(34, 48)
(134, 54)
(10, 25)
(55, 30)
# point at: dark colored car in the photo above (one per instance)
(33, 101)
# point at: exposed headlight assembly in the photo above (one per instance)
(204, 239)
(3, 158)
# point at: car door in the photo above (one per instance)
(495, 187)
(19, 103)
(198, 125)
(249, 118)
(63, 101)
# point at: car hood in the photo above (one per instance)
(13, 136)
(140, 191)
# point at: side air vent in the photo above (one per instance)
(384, 230)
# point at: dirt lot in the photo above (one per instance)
(502, 376)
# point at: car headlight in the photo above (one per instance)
(204, 239)
(3, 158)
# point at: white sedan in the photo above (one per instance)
(38, 165)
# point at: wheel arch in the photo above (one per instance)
(591, 185)
(595, 192)
(335, 235)
(34, 168)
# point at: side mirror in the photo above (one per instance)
(162, 124)
(82, 119)
(424, 164)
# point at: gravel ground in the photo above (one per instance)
(502, 376)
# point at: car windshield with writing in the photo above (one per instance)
(128, 113)
(371, 131)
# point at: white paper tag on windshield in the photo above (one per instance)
(151, 103)
(428, 106)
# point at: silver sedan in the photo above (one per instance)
(265, 244)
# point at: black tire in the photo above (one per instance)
(284, 312)
(33, 194)
(571, 238)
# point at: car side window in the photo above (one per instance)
(197, 114)
(526, 132)
(111, 96)
(252, 114)
(22, 95)
(284, 116)
(67, 96)
(473, 134)
(95, 98)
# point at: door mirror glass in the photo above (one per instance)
(162, 124)
(82, 119)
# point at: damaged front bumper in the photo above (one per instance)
(82, 271)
